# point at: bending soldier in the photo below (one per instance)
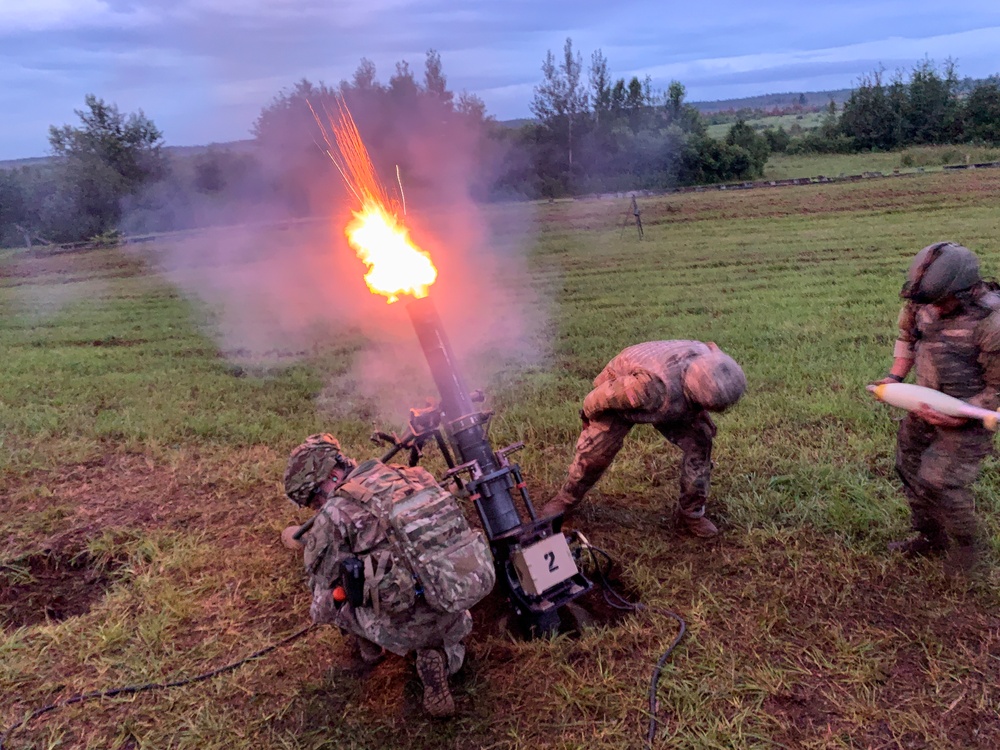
(391, 560)
(672, 385)
(949, 332)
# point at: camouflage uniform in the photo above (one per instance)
(653, 383)
(381, 515)
(959, 355)
(341, 530)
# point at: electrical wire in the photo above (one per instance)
(625, 605)
(133, 689)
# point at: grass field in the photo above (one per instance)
(144, 442)
(913, 159)
(806, 121)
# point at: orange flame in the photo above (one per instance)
(395, 265)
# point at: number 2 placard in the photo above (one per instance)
(545, 564)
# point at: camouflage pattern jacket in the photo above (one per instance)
(416, 547)
(645, 383)
(958, 354)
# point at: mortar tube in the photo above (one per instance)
(469, 440)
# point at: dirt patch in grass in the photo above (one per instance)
(133, 491)
(114, 341)
(66, 266)
(50, 587)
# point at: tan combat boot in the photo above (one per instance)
(700, 527)
(432, 666)
(964, 559)
(919, 546)
(925, 544)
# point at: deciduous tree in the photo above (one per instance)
(982, 112)
(107, 157)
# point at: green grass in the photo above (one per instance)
(915, 158)
(805, 121)
(140, 432)
(923, 158)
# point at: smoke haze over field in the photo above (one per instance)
(283, 292)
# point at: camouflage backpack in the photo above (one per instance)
(421, 541)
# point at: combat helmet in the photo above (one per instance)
(714, 380)
(311, 463)
(939, 270)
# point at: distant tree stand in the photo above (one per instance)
(634, 212)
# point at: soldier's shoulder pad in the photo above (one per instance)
(988, 330)
(991, 300)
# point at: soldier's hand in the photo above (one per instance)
(936, 418)
(884, 381)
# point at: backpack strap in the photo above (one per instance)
(374, 573)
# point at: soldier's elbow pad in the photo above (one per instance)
(902, 349)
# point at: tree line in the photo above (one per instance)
(924, 106)
(591, 132)
(598, 133)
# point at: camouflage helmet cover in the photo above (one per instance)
(714, 380)
(939, 270)
(311, 463)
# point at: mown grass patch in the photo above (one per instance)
(911, 159)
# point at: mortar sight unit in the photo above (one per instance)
(534, 563)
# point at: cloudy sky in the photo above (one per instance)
(202, 69)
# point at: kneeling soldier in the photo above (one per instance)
(390, 559)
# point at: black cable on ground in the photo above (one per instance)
(133, 689)
(624, 604)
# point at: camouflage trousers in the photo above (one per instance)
(938, 467)
(418, 629)
(604, 436)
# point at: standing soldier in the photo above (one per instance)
(949, 330)
(391, 560)
(672, 385)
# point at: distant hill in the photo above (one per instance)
(28, 162)
(519, 122)
(244, 146)
(808, 100)
(805, 99)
